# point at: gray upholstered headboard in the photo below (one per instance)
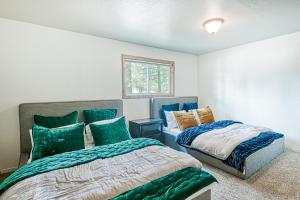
(28, 110)
(156, 103)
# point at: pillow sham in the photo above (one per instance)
(110, 133)
(185, 120)
(89, 142)
(56, 121)
(86, 141)
(51, 141)
(171, 120)
(204, 115)
(190, 106)
(94, 115)
(170, 107)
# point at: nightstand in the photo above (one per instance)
(151, 128)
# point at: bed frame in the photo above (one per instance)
(253, 163)
(28, 110)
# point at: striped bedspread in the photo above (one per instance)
(230, 141)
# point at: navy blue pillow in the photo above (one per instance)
(171, 107)
(190, 106)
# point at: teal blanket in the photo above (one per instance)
(176, 186)
(73, 158)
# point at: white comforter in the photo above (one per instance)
(221, 142)
(103, 178)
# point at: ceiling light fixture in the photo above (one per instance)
(213, 25)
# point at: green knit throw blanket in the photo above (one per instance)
(73, 158)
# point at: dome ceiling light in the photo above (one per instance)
(213, 25)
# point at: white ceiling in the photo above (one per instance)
(168, 24)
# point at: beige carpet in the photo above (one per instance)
(280, 179)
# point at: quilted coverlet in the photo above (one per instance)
(123, 170)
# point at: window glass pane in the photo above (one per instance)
(144, 78)
(136, 78)
(154, 83)
(165, 78)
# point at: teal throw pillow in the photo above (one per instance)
(51, 141)
(56, 121)
(110, 133)
(94, 115)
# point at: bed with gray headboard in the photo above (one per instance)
(75, 169)
(253, 163)
(28, 110)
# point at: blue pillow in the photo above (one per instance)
(170, 107)
(190, 106)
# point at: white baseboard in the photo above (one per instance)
(7, 170)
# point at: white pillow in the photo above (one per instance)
(89, 140)
(32, 143)
(171, 120)
(31, 139)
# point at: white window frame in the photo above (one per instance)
(148, 60)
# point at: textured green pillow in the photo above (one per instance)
(51, 141)
(110, 133)
(94, 115)
(56, 121)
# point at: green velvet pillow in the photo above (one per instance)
(56, 121)
(51, 141)
(110, 133)
(94, 115)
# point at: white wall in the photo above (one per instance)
(44, 64)
(257, 83)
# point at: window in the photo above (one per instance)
(146, 77)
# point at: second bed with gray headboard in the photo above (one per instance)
(253, 163)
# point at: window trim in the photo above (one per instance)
(144, 59)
